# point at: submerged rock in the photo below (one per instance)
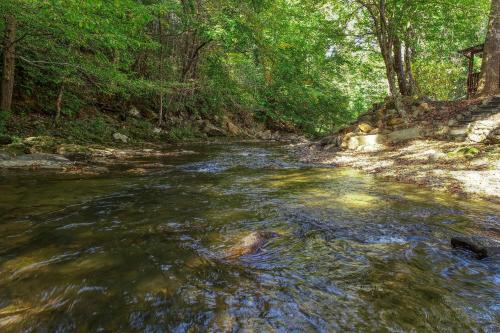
(250, 244)
(481, 247)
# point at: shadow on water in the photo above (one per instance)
(144, 253)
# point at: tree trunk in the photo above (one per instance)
(386, 43)
(411, 85)
(58, 104)
(489, 83)
(391, 79)
(399, 67)
(160, 38)
(9, 62)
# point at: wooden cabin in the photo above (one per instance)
(472, 77)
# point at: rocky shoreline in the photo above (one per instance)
(46, 153)
(448, 147)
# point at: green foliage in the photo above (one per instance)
(468, 152)
(95, 130)
(183, 133)
(312, 64)
(4, 119)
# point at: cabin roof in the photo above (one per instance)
(470, 51)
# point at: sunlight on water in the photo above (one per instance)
(148, 253)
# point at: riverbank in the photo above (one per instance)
(450, 147)
(458, 168)
(95, 140)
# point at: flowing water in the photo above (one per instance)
(145, 253)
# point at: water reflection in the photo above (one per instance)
(126, 254)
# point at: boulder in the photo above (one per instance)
(434, 155)
(120, 137)
(457, 131)
(353, 143)
(365, 127)
(4, 157)
(424, 106)
(366, 142)
(405, 134)
(332, 142)
(391, 113)
(212, 130)
(42, 161)
(481, 247)
(74, 152)
(346, 138)
(231, 128)
(266, 135)
(440, 130)
(276, 136)
(134, 112)
(250, 244)
(477, 137)
(395, 121)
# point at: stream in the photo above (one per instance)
(143, 253)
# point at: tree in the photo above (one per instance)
(314, 64)
(489, 83)
(9, 62)
(385, 31)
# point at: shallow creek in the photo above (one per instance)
(142, 253)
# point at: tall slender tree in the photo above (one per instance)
(9, 62)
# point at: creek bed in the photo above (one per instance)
(127, 252)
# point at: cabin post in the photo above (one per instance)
(472, 78)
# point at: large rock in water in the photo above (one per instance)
(42, 161)
(481, 247)
(250, 244)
